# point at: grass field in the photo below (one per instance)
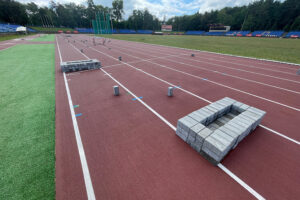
(10, 37)
(27, 122)
(45, 38)
(48, 29)
(269, 48)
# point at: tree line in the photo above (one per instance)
(259, 15)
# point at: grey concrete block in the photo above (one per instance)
(170, 91)
(256, 111)
(80, 65)
(181, 133)
(200, 137)
(198, 116)
(116, 90)
(186, 123)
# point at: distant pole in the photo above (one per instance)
(111, 25)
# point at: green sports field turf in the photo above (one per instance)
(44, 38)
(10, 37)
(269, 48)
(27, 122)
(49, 29)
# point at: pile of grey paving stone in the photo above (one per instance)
(218, 127)
(79, 65)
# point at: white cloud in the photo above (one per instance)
(160, 8)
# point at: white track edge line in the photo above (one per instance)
(252, 58)
(202, 68)
(84, 164)
(222, 167)
(273, 131)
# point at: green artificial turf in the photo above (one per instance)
(269, 48)
(44, 38)
(49, 29)
(10, 37)
(27, 122)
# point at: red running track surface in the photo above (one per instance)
(133, 154)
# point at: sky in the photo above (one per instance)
(160, 8)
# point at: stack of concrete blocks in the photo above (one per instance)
(217, 128)
(80, 65)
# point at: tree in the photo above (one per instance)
(117, 7)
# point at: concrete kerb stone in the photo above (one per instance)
(217, 128)
(79, 65)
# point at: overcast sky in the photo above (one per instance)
(160, 8)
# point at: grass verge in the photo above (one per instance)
(10, 37)
(44, 38)
(48, 29)
(269, 48)
(27, 122)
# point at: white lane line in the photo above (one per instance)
(277, 133)
(188, 92)
(227, 74)
(237, 77)
(250, 58)
(84, 164)
(222, 167)
(216, 83)
(235, 63)
(243, 70)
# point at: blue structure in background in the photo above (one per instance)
(293, 34)
(194, 32)
(144, 32)
(237, 33)
(215, 33)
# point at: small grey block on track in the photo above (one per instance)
(170, 91)
(116, 90)
(298, 72)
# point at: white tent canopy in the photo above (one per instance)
(21, 29)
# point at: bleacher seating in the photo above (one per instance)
(194, 32)
(267, 33)
(272, 33)
(293, 34)
(8, 28)
(215, 33)
(144, 32)
(237, 33)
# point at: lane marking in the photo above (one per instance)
(246, 65)
(232, 68)
(136, 98)
(251, 58)
(222, 167)
(84, 164)
(214, 82)
(245, 79)
(192, 94)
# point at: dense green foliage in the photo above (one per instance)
(27, 122)
(259, 15)
(275, 49)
